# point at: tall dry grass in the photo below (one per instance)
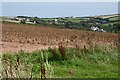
(62, 50)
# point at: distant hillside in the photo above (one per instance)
(102, 23)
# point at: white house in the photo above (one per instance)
(94, 28)
(56, 20)
(101, 30)
(97, 29)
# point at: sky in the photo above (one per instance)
(60, 0)
(58, 9)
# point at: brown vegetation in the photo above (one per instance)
(29, 34)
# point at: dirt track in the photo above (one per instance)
(28, 37)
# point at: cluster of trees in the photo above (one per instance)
(112, 27)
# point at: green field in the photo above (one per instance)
(110, 23)
(98, 62)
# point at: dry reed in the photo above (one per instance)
(62, 51)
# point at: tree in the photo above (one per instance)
(116, 27)
(23, 21)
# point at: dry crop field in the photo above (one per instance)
(31, 37)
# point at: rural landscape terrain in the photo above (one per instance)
(81, 47)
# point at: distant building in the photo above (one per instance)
(97, 29)
(101, 30)
(28, 19)
(56, 20)
(94, 28)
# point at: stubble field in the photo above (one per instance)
(28, 37)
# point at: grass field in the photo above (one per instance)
(97, 62)
(110, 23)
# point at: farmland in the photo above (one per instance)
(105, 23)
(83, 54)
(21, 34)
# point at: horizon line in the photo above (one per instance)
(60, 16)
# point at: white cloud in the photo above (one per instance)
(60, 0)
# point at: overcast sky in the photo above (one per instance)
(60, 0)
(58, 9)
